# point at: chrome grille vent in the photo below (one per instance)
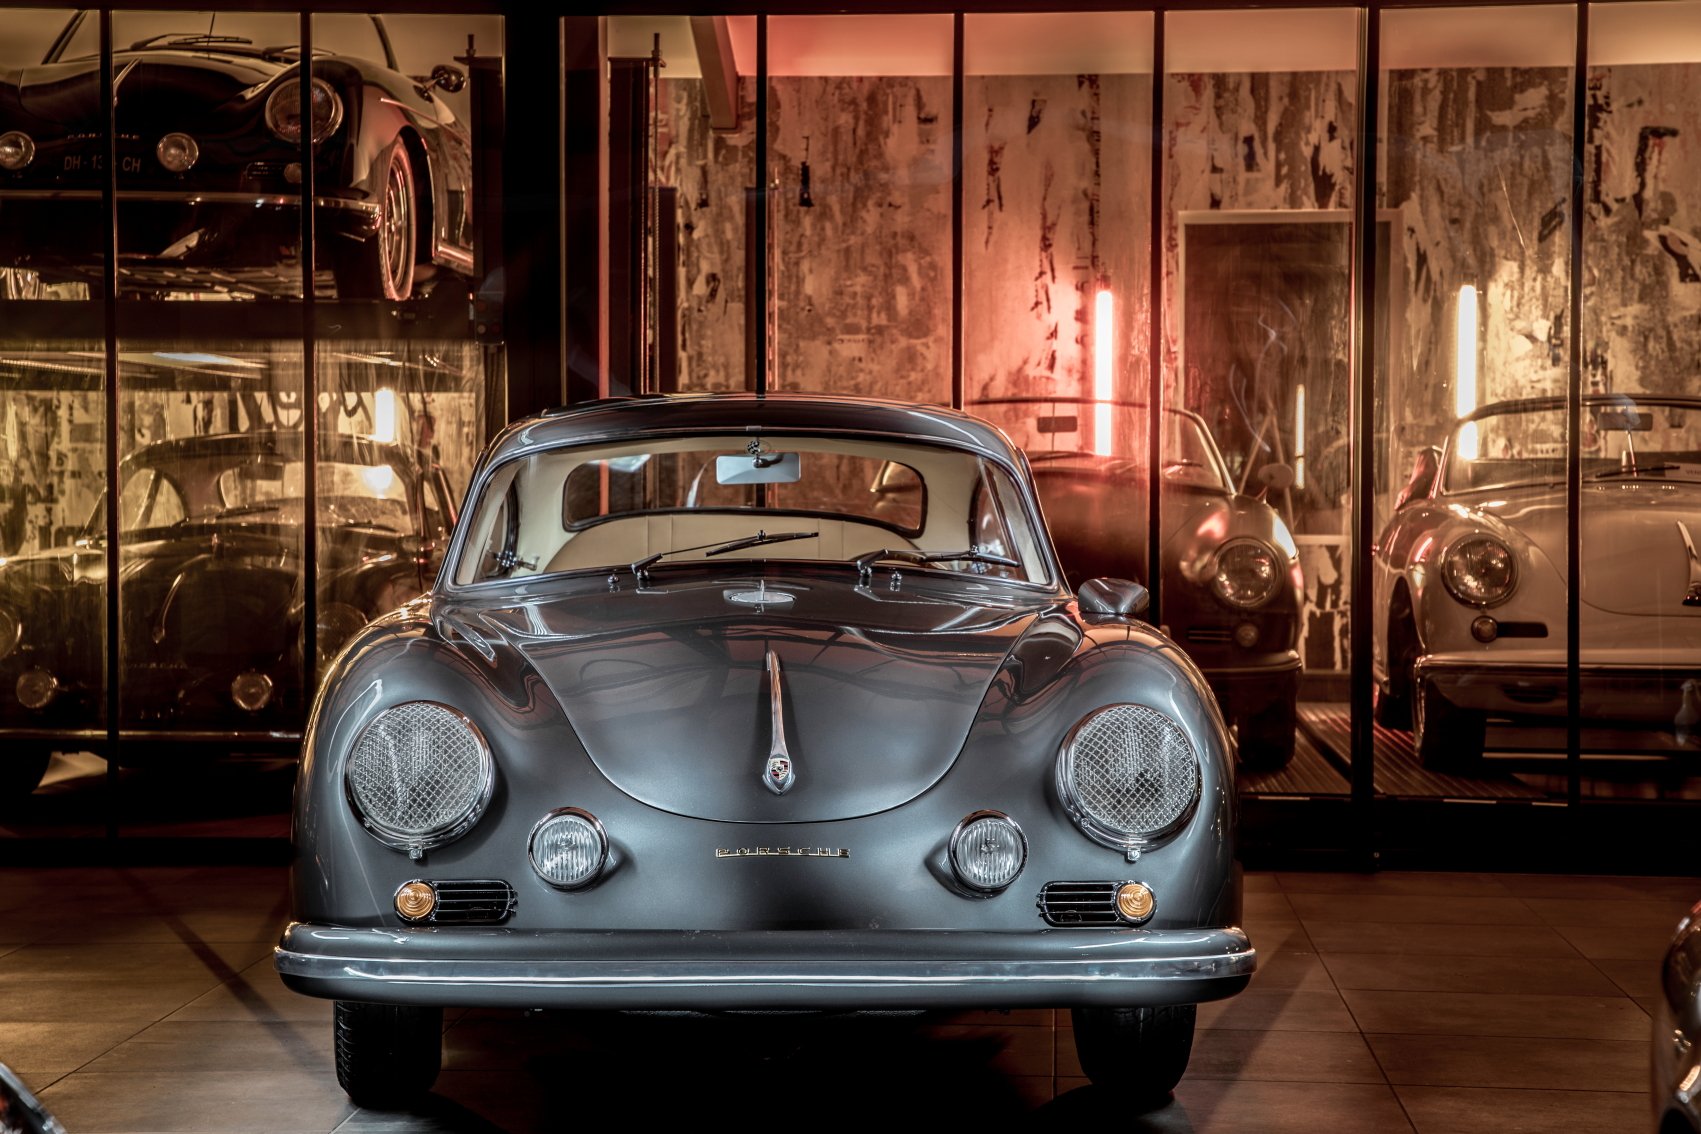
(419, 774)
(1128, 774)
(1210, 635)
(473, 901)
(1079, 903)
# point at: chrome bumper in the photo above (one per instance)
(757, 969)
(1640, 695)
(190, 197)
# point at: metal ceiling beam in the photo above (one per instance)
(719, 68)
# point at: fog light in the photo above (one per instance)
(251, 691)
(1484, 628)
(568, 848)
(988, 851)
(1134, 901)
(292, 173)
(177, 152)
(36, 687)
(1246, 635)
(16, 150)
(416, 900)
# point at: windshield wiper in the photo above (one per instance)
(184, 39)
(1633, 470)
(641, 567)
(866, 561)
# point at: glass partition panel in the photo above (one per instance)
(400, 425)
(1469, 569)
(52, 586)
(859, 241)
(52, 135)
(1640, 640)
(212, 503)
(209, 156)
(1057, 112)
(1258, 186)
(696, 199)
(395, 118)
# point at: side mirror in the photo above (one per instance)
(1425, 469)
(1276, 476)
(1114, 598)
(447, 78)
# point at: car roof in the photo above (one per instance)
(618, 418)
(263, 442)
(1557, 401)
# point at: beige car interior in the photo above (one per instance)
(545, 544)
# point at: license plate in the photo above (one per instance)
(94, 163)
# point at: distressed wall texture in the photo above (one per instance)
(1056, 204)
(1642, 250)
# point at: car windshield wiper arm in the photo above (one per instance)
(184, 38)
(866, 561)
(641, 567)
(1633, 470)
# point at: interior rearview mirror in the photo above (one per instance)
(1623, 417)
(758, 468)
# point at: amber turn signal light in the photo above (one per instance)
(416, 900)
(1134, 901)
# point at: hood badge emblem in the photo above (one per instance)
(1691, 597)
(779, 773)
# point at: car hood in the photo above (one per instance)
(189, 86)
(668, 689)
(1634, 557)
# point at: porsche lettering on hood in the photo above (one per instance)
(670, 692)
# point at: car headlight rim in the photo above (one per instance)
(1095, 826)
(1452, 567)
(1260, 593)
(292, 86)
(959, 864)
(417, 841)
(11, 630)
(595, 873)
(17, 143)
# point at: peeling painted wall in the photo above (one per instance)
(1642, 240)
(1056, 201)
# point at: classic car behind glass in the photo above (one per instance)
(212, 613)
(738, 703)
(1231, 580)
(209, 122)
(1470, 575)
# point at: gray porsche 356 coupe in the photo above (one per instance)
(742, 703)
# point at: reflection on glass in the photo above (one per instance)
(1640, 436)
(1257, 194)
(704, 168)
(51, 131)
(398, 435)
(1469, 575)
(213, 482)
(52, 560)
(859, 137)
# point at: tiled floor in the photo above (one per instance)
(144, 1000)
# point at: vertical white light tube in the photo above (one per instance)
(1299, 436)
(1103, 374)
(1465, 369)
(384, 415)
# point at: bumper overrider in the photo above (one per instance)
(765, 969)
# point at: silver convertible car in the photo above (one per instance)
(731, 703)
(1470, 574)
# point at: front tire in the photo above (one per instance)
(20, 775)
(1139, 1054)
(387, 1054)
(1267, 736)
(1393, 705)
(1447, 738)
(382, 266)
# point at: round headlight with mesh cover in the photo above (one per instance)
(1128, 776)
(419, 775)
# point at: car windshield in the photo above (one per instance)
(354, 35)
(832, 499)
(1079, 430)
(1622, 438)
(263, 489)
